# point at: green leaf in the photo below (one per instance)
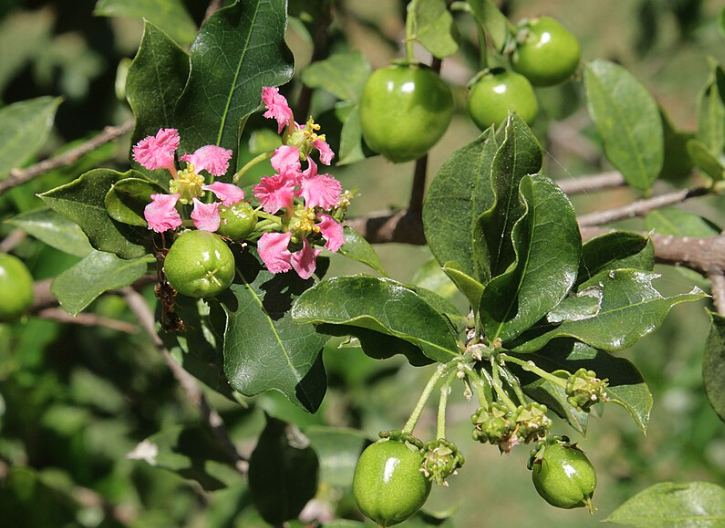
(24, 489)
(238, 51)
(674, 505)
(168, 15)
(342, 74)
(358, 249)
(470, 287)
(381, 305)
(628, 121)
(518, 156)
(283, 472)
(155, 80)
(53, 229)
(83, 202)
(713, 365)
(631, 309)
(444, 307)
(433, 26)
(495, 23)
(616, 250)
(677, 165)
(338, 450)
(263, 348)
(583, 305)
(80, 285)
(721, 22)
(430, 276)
(547, 245)
(711, 110)
(376, 345)
(459, 194)
(702, 157)
(24, 127)
(128, 198)
(351, 144)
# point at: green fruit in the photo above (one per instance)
(16, 288)
(404, 111)
(199, 264)
(548, 54)
(498, 92)
(388, 484)
(237, 221)
(564, 477)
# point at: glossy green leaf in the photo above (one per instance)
(351, 143)
(381, 305)
(239, 50)
(459, 194)
(547, 245)
(702, 157)
(128, 198)
(360, 250)
(263, 348)
(583, 305)
(616, 250)
(713, 365)
(432, 277)
(711, 110)
(283, 472)
(470, 287)
(674, 505)
(24, 127)
(433, 26)
(342, 74)
(80, 285)
(628, 121)
(54, 229)
(169, 15)
(495, 23)
(83, 202)
(677, 165)
(444, 307)
(154, 83)
(631, 309)
(518, 156)
(338, 450)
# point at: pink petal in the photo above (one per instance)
(161, 213)
(157, 152)
(326, 153)
(286, 161)
(319, 191)
(332, 231)
(210, 158)
(304, 260)
(228, 193)
(274, 193)
(272, 248)
(206, 216)
(277, 108)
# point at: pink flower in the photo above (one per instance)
(277, 108)
(157, 152)
(273, 251)
(326, 153)
(286, 161)
(332, 231)
(319, 190)
(206, 216)
(161, 213)
(274, 193)
(304, 261)
(228, 193)
(209, 158)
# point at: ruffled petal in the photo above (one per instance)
(319, 190)
(157, 152)
(332, 232)
(304, 261)
(272, 248)
(228, 193)
(210, 158)
(286, 161)
(274, 193)
(277, 108)
(161, 213)
(326, 153)
(206, 216)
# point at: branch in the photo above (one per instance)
(390, 226)
(20, 176)
(86, 319)
(213, 7)
(596, 182)
(717, 281)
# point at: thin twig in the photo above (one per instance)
(717, 281)
(12, 240)
(214, 6)
(86, 319)
(596, 182)
(20, 176)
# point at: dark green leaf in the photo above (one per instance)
(24, 127)
(23, 492)
(169, 15)
(357, 248)
(433, 26)
(469, 286)
(702, 157)
(238, 51)
(444, 307)
(711, 110)
(631, 309)
(283, 472)
(55, 230)
(677, 164)
(351, 144)
(432, 277)
(263, 348)
(619, 249)
(342, 74)
(381, 305)
(338, 450)
(82, 201)
(628, 121)
(713, 365)
(547, 245)
(494, 22)
(80, 285)
(127, 199)
(583, 305)
(460, 192)
(674, 505)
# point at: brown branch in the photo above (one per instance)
(596, 182)
(717, 282)
(390, 226)
(12, 240)
(86, 319)
(213, 7)
(20, 176)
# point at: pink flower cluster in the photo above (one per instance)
(157, 152)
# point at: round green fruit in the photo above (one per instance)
(498, 92)
(388, 484)
(237, 221)
(16, 288)
(404, 111)
(548, 53)
(564, 476)
(199, 264)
